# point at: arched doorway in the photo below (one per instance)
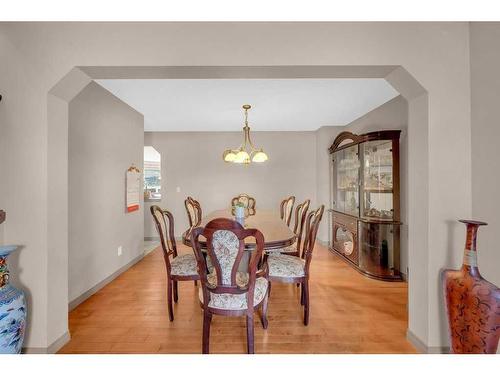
(69, 86)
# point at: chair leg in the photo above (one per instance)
(169, 300)
(306, 302)
(302, 294)
(250, 340)
(176, 291)
(269, 289)
(263, 317)
(207, 319)
(195, 282)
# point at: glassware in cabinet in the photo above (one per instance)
(346, 175)
(377, 180)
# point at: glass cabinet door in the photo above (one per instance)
(379, 249)
(377, 180)
(345, 239)
(346, 170)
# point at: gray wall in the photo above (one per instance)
(105, 137)
(299, 165)
(485, 96)
(391, 115)
(193, 162)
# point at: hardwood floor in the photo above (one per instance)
(349, 314)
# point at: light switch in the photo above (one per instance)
(178, 189)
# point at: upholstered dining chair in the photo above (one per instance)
(179, 267)
(225, 290)
(286, 209)
(295, 269)
(248, 202)
(194, 214)
(298, 229)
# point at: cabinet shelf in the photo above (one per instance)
(347, 188)
(369, 190)
(379, 166)
(343, 170)
(377, 190)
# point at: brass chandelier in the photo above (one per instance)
(247, 152)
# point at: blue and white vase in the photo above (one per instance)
(12, 309)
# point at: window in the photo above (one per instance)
(152, 174)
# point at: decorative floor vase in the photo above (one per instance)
(472, 303)
(12, 309)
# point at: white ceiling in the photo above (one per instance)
(277, 104)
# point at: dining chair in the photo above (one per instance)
(179, 267)
(298, 228)
(194, 214)
(294, 269)
(286, 209)
(225, 290)
(248, 202)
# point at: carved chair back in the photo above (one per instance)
(300, 219)
(225, 241)
(248, 202)
(194, 213)
(164, 222)
(286, 209)
(312, 226)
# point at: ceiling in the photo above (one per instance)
(277, 104)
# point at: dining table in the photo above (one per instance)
(275, 231)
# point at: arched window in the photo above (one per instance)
(152, 174)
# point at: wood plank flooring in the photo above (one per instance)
(349, 314)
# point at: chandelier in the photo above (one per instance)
(247, 152)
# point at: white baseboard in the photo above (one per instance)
(178, 239)
(78, 300)
(323, 243)
(64, 339)
(52, 348)
(423, 348)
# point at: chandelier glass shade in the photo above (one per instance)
(247, 153)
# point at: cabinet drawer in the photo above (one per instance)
(349, 222)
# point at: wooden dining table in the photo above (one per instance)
(275, 231)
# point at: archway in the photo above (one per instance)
(418, 196)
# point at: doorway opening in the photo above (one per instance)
(401, 80)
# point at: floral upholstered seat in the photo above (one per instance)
(241, 278)
(281, 265)
(228, 284)
(184, 265)
(237, 301)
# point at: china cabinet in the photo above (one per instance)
(365, 214)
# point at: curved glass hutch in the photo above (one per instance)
(365, 210)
